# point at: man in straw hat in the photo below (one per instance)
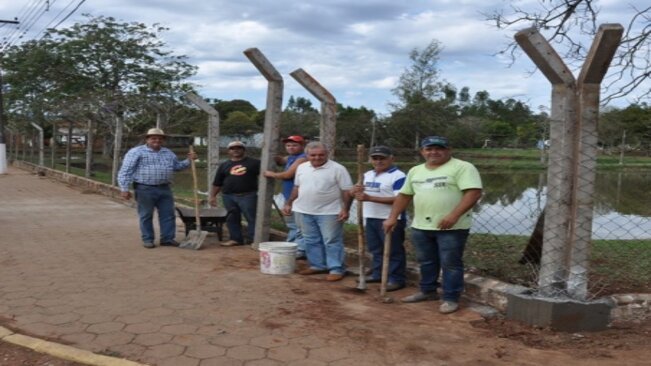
(150, 168)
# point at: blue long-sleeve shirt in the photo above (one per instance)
(148, 166)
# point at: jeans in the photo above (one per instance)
(162, 199)
(397, 256)
(324, 241)
(438, 250)
(294, 234)
(238, 205)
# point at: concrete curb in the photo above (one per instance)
(62, 351)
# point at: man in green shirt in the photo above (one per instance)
(444, 190)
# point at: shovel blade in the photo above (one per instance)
(194, 240)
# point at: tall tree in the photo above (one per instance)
(571, 25)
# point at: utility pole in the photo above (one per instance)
(3, 147)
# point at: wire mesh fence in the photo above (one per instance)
(504, 242)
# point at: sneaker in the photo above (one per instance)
(332, 277)
(230, 243)
(448, 307)
(171, 243)
(148, 245)
(312, 271)
(393, 286)
(419, 296)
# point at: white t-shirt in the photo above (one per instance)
(319, 189)
(385, 184)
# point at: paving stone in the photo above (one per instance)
(229, 340)
(263, 362)
(287, 353)
(161, 351)
(310, 341)
(61, 318)
(245, 353)
(178, 361)
(327, 354)
(142, 328)
(189, 339)
(205, 351)
(307, 363)
(131, 351)
(269, 341)
(221, 361)
(106, 327)
(94, 318)
(178, 329)
(114, 338)
(152, 339)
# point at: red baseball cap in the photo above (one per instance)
(298, 139)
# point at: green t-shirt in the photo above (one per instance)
(438, 191)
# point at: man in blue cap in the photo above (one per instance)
(444, 190)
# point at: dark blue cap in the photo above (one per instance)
(435, 141)
(380, 150)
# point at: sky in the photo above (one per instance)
(356, 49)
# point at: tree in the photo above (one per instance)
(425, 104)
(299, 118)
(571, 25)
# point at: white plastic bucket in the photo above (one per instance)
(277, 257)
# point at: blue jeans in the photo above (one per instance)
(162, 199)
(238, 205)
(438, 250)
(324, 241)
(397, 256)
(294, 234)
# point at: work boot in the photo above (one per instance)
(148, 245)
(448, 307)
(230, 243)
(369, 279)
(171, 243)
(393, 286)
(419, 296)
(312, 271)
(332, 277)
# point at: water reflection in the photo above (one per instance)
(512, 202)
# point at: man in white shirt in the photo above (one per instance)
(321, 200)
(378, 191)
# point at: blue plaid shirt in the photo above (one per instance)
(147, 166)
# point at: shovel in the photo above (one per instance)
(385, 269)
(195, 238)
(361, 282)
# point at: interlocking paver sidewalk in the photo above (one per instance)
(72, 270)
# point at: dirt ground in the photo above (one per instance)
(12, 355)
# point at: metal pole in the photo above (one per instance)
(270, 143)
(328, 126)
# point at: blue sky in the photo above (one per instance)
(356, 49)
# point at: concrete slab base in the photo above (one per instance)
(559, 314)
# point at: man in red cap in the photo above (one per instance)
(294, 146)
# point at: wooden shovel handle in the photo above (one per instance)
(193, 167)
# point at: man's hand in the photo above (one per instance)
(125, 195)
(192, 155)
(269, 174)
(212, 201)
(343, 215)
(287, 209)
(389, 224)
(448, 222)
(358, 192)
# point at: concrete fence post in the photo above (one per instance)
(117, 147)
(270, 142)
(585, 162)
(213, 135)
(328, 125)
(572, 158)
(41, 139)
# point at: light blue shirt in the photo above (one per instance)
(145, 165)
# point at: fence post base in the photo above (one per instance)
(559, 314)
